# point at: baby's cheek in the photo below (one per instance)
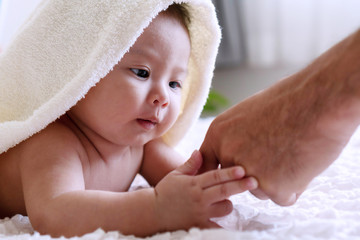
(169, 120)
(169, 123)
(175, 110)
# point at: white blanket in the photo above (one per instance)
(65, 47)
(328, 209)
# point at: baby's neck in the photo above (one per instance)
(106, 150)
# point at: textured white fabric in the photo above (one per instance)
(328, 209)
(66, 47)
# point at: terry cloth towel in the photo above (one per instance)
(67, 46)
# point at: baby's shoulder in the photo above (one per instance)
(55, 139)
(56, 131)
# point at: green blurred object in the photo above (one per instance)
(215, 103)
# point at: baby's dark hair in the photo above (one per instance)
(180, 12)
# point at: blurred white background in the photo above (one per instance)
(276, 38)
(13, 13)
(263, 40)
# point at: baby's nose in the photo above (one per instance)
(159, 97)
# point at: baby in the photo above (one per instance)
(72, 177)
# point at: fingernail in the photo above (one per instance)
(253, 183)
(239, 172)
(293, 198)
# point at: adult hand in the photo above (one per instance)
(289, 133)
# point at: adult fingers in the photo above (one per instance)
(222, 191)
(259, 194)
(209, 224)
(282, 198)
(210, 161)
(218, 176)
(285, 199)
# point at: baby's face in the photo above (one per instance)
(139, 100)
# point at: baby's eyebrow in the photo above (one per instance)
(142, 52)
(137, 51)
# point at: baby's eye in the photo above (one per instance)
(174, 85)
(140, 72)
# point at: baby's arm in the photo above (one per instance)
(58, 203)
(56, 198)
(159, 159)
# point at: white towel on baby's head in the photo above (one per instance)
(66, 47)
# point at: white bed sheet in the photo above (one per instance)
(328, 209)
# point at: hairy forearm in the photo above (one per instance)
(289, 133)
(80, 212)
(320, 102)
(326, 94)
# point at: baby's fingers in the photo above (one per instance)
(219, 176)
(223, 191)
(220, 209)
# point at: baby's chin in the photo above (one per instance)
(141, 141)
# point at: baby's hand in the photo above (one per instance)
(184, 200)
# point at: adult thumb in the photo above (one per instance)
(207, 152)
(191, 166)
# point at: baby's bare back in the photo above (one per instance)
(11, 194)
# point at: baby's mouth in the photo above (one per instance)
(147, 123)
